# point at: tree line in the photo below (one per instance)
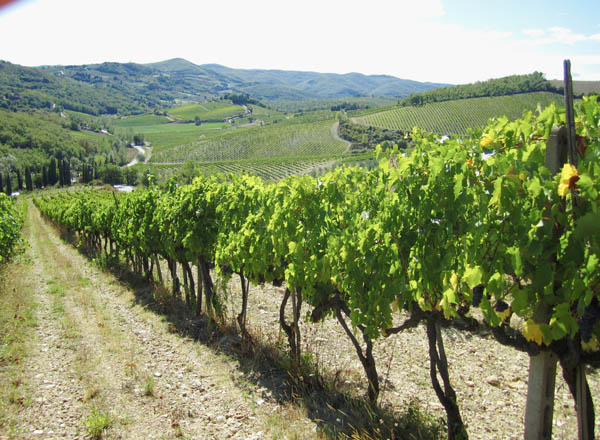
(508, 85)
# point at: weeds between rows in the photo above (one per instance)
(337, 413)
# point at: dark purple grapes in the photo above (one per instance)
(477, 295)
(590, 316)
(501, 306)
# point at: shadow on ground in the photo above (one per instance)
(337, 414)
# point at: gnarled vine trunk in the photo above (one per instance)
(365, 356)
(438, 364)
(292, 330)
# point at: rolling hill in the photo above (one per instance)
(129, 88)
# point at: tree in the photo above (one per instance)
(8, 184)
(197, 120)
(111, 174)
(1, 184)
(28, 180)
(138, 139)
(130, 175)
(52, 176)
(44, 177)
(19, 180)
(67, 173)
(61, 172)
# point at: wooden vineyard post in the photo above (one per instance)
(581, 398)
(542, 367)
(540, 391)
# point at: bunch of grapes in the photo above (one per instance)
(501, 306)
(590, 316)
(477, 295)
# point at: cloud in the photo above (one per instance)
(557, 35)
(534, 33)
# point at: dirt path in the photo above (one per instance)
(135, 160)
(334, 133)
(102, 361)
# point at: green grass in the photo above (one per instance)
(207, 111)
(277, 140)
(97, 422)
(135, 121)
(17, 334)
(455, 117)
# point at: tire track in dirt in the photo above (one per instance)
(56, 409)
(151, 383)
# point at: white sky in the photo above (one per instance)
(424, 40)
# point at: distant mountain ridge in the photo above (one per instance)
(129, 87)
(310, 85)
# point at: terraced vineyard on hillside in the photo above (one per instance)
(455, 117)
(207, 111)
(140, 120)
(162, 135)
(268, 169)
(293, 140)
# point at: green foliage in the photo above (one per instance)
(368, 137)
(417, 233)
(10, 227)
(97, 422)
(32, 139)
(508, 85)
(25, 88)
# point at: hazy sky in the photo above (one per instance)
(452, 41)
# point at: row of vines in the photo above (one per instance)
(278, 140)
(11, 219)
(454, 226)
(456, 117)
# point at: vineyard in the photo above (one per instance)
(163, 135)
(277, 140)
(458, 116)
(266, 169)
(208, 111)
(140, 120)
(474, 233)
(10, 226)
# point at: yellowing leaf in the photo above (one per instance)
(591, 345)
(454, 281)
(505, 314)
(426, 307)
(568, 177)
(486, 140)
(532, 332)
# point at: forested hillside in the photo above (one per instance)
(129, 88)
(25, 88)
(508, 85)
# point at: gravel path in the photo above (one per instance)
(97, 351)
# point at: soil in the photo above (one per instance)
(490, 379)
(99, 351)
